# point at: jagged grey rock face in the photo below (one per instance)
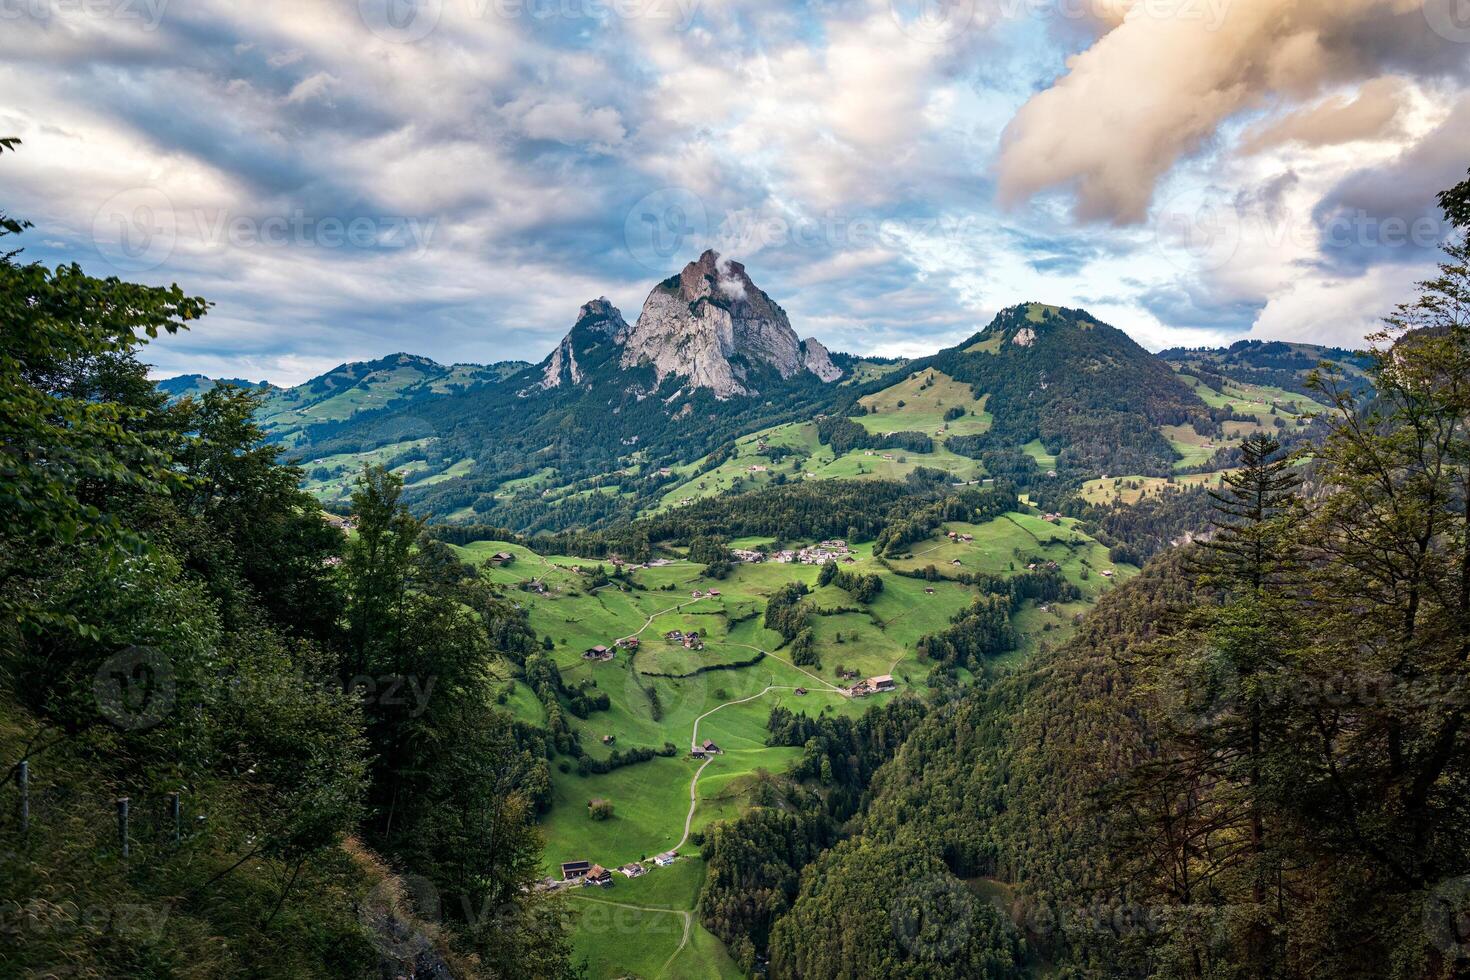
(693, 324)
(562, 367)
(597, 322)
(818, 360)
(708, 326)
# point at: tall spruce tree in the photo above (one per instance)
(1252, 544)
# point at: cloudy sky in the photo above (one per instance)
(350, 178)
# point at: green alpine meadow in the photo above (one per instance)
(647, 491)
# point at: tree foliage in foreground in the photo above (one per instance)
(180, 622)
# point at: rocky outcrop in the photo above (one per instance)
(710, 324)
(598, 322)
(818, 360)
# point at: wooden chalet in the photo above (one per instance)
(572, 870)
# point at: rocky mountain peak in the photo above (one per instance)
(712, 325)
(599, 325)
(599, 316)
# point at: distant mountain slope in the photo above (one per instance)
(711, 392)
(352, 388)
(1272, 363)
(1093, 399)
(574, 437)
(186, 385)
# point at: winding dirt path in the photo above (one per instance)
(686, 916)
(694, 742)
(663, 612)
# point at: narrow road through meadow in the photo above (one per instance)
(694, 742)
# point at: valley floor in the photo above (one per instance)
(646, 926)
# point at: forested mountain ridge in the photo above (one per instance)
(1046, 397)
(1273, 363)
(1087, 391)
(711, 357)
(388, 383)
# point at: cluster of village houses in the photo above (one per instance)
(817, 554)
(691, 640)
(603, 654)
(587, 874)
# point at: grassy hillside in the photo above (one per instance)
(792, 451)
(654, 800)
(1046, 397)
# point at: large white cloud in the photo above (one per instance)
(1158, 86)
